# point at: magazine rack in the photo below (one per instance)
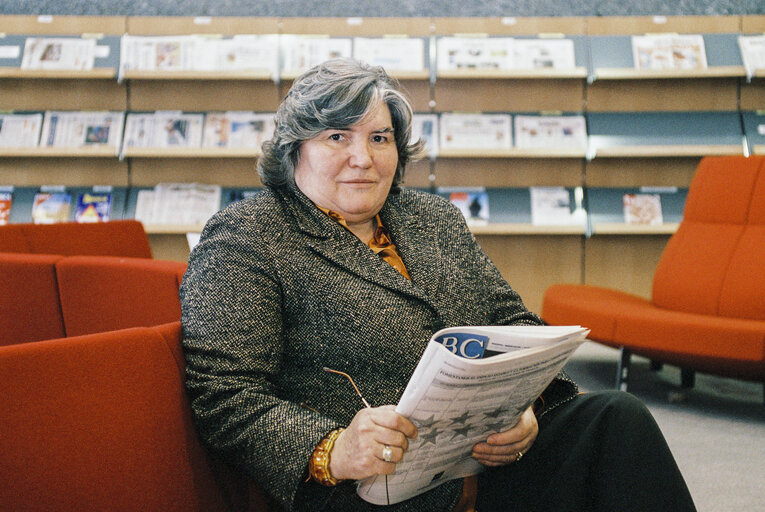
(701, 109)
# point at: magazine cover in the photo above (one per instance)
(392, 53)
(6, 201)
(669, 51)
(475, 131)
(177, 130)
(550, 206)
(58, 53)
(642, 209)
(303, 52)
(473, 202)
(554, 132)
(425, 127)
(237, 129)
(474, 53)
(752, 53)
(82, 129)
(51, 207)
(157, 53)
(543, 54)
(20, 130)
(92, 207)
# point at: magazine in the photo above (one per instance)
(237, 129)
(178, 203)
(425, 127)
(477, 53)
(156, 53)
(470, 382)
(51, 207)
(642, 209)
(164, 129)
(303, 52)
(58, 53)
(553, 132)
(20, 130)
(543, 54)
(752, 53)
(6, 201)
(473, 202)
(475, 131)
(93, 207)
(392, 53)
(669, 51)
(550, 206)
(82, 129)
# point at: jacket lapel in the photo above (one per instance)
(335, 243)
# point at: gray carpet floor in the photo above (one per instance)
(716, 430)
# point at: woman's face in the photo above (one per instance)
(350, 171)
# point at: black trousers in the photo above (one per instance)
(601, 451)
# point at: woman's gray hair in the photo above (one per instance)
(334, 95)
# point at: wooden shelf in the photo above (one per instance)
(667, 228)
(652, 74)
(49, 152)
(668, 151)
(512, 153)
(172, 229)
(191, 152)
(89, 74)
(197, 75)
(526, 229)
(520, 74)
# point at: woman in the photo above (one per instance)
(335, 265)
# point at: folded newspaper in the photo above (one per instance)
(470, 382)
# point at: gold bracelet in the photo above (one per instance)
(318, 468)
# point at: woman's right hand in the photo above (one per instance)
(358, 450)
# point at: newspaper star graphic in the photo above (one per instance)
(462, 431)
(496, 413)
(428, 438)
(460, 420)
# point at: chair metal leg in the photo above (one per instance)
(687, 378)
(623, 369)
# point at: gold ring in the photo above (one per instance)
(518, 456)
(387, 453)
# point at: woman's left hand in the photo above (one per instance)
(503, 447)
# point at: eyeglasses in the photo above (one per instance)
(352, 384)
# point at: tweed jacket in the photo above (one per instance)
(276, 290)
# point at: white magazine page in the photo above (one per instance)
(58, 53)
(669, 51)
(392, 53)
(553, 132)
(752, 53)
(543, 54)
(20, 130)
(249, 53)
(550, 206)
(139, 130)
(304, 52)
(177, 130)
(457, 402)
(475, 53)
(642, 209)
(425, 127)
(475, 131)
(144, 207)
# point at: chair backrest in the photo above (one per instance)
(712, 264)
(104, 293)
(30, 309)
(114, 238)
(101, 422)
(12, 239)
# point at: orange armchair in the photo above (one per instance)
(707, 309)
